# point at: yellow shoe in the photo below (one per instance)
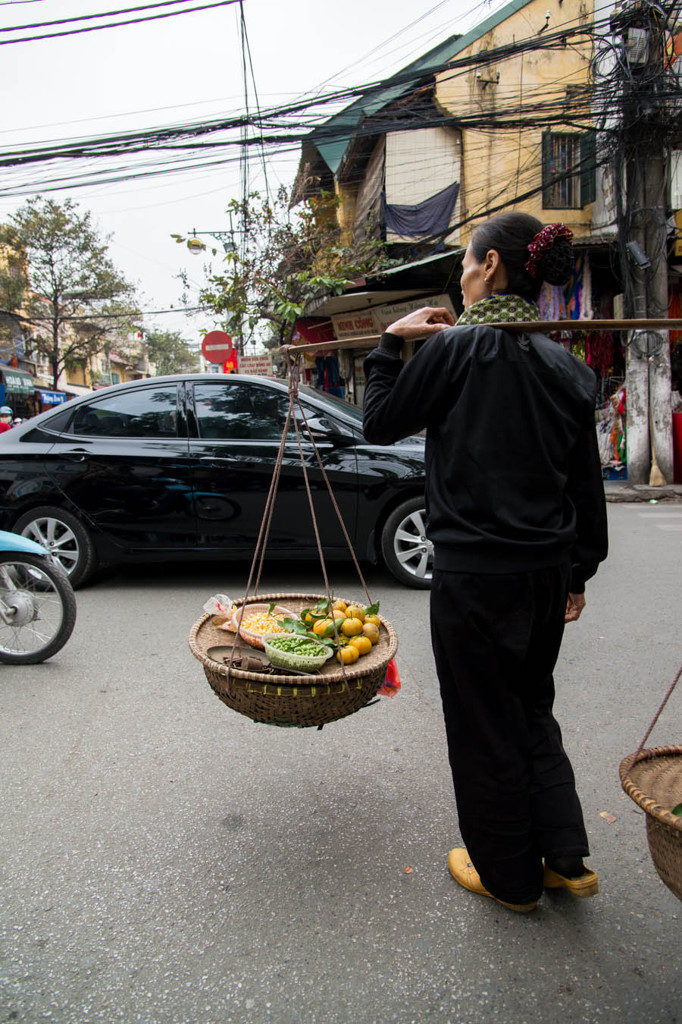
(464, 872)
(584, 885)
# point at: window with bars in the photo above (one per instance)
(568, 170)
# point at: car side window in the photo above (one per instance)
(240, 411)
(146, 412)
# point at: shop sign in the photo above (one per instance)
(361, 324)
(52, 397)
(353, 325)
(256, 364)
(17, 383)
(384, 316)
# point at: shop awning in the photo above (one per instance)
(17, 382)
(357, 301)
(77, 390)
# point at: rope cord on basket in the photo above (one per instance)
(335, 505)
(327, 482)
(264, 531)
(656, 717)
(294, 373)
(262, 534)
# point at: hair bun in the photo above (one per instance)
(556, 264)
(551, 254)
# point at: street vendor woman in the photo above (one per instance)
(517, 517)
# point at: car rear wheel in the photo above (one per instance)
(65, 538)
(407, 552)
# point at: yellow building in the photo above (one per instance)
(494, 118)
(525, 74)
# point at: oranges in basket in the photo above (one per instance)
(351, 629)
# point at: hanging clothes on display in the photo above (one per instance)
(329, 378)
(579, 302)
(611, 433)
(552, 303)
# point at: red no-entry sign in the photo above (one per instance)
(217, 347)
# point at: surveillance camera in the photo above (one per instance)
(638, 255)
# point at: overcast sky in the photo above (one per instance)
(190, 67)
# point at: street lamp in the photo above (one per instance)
(226, 239)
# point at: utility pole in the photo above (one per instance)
(645, 83)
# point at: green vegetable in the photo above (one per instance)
(297, 645)
(677, 811)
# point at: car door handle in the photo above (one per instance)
(77, 455)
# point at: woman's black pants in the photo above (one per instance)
(496, 639)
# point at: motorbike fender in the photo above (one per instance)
(23, 545)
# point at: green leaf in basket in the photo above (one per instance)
(294, 626)
(271, 607)
(677, 811)
(328, 641)
(372, 609)
(310, 615)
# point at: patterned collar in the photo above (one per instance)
(500, 308)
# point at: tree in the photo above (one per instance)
(77, 301)
(169, 351)
(13, 274)
(286, 257)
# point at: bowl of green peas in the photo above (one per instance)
(291, 650)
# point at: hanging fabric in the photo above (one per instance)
(424, 219)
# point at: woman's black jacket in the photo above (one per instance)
(513, 472)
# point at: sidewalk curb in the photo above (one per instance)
(624, 492)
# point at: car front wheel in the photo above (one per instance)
(65, 538)
(407, 552)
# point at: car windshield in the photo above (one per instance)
(338, 403)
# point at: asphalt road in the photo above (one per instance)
(165, 860)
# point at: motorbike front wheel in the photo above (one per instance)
(37, 608)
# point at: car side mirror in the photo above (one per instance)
(324, 429)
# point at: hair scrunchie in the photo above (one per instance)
(543, 242)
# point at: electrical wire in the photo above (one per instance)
(119, 24)
(276, 118)
(90, 17)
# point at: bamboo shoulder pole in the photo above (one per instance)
(531, 326)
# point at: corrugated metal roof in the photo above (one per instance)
(328, 305)
(438, 257)
(332, 137)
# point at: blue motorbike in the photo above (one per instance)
(37, 602)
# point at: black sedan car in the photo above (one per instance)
(180, 468)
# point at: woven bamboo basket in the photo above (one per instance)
(292, 700)
(653, 779)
